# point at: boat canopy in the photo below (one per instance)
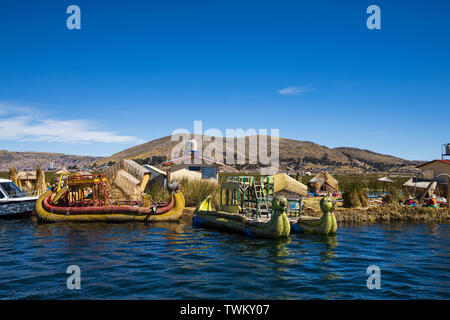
(11, 190)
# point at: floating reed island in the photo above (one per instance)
(393, 205)
(381, 214)
(388, 214)
(367, 210)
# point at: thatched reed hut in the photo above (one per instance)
(158, 177)
(194, 167)
(127, 184)
(40, 186)
(127, 178)
(323, 181)
(26, 180)
(283, 182)
(63, 171)
(32, 182)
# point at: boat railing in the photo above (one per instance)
(294, 207)
(36, 193)
(131, 200)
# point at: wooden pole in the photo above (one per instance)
(448, 187)
(448, 194)
(427, 190)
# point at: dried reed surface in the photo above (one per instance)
(39, 185)
(194, 192)
(189, 211)
(388, 214)
(50, 177)
(13, 175)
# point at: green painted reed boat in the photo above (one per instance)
(255, 205)
(276, 227)
(251, 204)
(326, 224)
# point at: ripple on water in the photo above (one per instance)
(177, 261)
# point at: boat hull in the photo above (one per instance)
(46, 212)
(276, 228)
(324, 225)
(16, 209)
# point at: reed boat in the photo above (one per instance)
(72, 203)
(14, 203)
(277, 226)
(324, 225)
(253, 204)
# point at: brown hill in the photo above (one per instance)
(314, 157)
(370, 156)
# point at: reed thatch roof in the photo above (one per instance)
(284, 182)
(63, 171)
(127, 183)
(26, 175)
(417, 184)
(13, 175)
(154, 169)
(39, 185)
(30, 181)
(324, 178)
(129, 166)
(316, 179)
(129, 177)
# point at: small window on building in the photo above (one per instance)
(193, 168)
(209, 173)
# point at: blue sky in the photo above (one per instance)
(137, 70)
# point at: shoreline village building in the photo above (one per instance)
(193, 167)
(435, 178)
(157, 176)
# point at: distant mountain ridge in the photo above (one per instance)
(292, 152)
(29, 160)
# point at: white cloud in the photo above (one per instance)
(295, 90)
(21, 124)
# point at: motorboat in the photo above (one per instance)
(14, 202)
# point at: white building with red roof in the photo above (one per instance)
(194, 167)
(435, 178)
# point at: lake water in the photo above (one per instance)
(178, 261)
